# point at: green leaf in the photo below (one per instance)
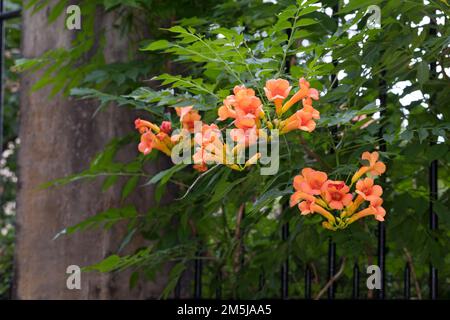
(107, 265)
(109, 182)
(106, 218)
(423, 72)
(165, 175)
(157, 45)
(177, 29)
(305, 22)
(407, 135)
(134, 278)
(437, 151)
(129, 186)
(423, 134)
(174, 276)
(268, 197)
(222, 191)
(56, 10)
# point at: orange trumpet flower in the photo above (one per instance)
(310, 181)
(367, 190)
(243, 106)
(188, 117)
(374, 209)
(297, 196)
(301, 120)
(336, 194)
(149, 141)
(305, 92)
(277, 90)
(375, 167)
(144, 126)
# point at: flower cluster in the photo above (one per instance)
(154, 137)
(315, 193)
(248, 116)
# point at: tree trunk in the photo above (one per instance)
(58, 137)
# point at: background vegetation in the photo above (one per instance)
(10, 142)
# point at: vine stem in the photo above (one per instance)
(238, 237)
(332, 280)
(413, 273)
(312, 154)
(195, 182)
(283, 61)
(218, 57)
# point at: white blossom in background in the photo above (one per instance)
(8, 176)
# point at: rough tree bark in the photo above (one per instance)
(58, 138)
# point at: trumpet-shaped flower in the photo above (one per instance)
(305, 92)
(301, 120)
(166, 127)
(326, 214)
(149, 141)
(380, 212)
(243, 106)
(374, 209)
(144, 126)
(367, 190)
(375, 167)
(298, 196)
(277, 90)
(209, 146)
(246, 101)
(310, 181)
(188, 117)
(336, 194)
(245, 120)
(314, 113)
(146, 144)
(244, 137)
(305, 207)
(225, 112)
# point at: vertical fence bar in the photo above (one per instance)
(262, 280)
(331, 267)
(177, 290)
(433, 182)
(407, 282)
(198, 270)
(307, 283)
(219, 285)
(239, 258)
(433, 225)
(355, 293)
(381, 257)
(381, 225)
(285, 265)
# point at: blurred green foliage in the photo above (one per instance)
(8, 176)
